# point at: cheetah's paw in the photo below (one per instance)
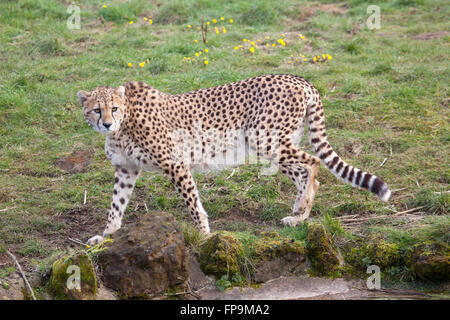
(95, 240)
(291, 221)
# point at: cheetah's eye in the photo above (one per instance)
(97, 110)
(114, 109)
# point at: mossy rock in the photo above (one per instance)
(384, 254)
(430, 260)
(219, 255)
(321, 252)
(272, 245)
(275, 256)
(360, 254)
(375, 251)
(58, 280)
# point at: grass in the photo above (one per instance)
(385, 94)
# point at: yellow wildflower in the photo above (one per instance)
(252, 49)
(329, 57)
(207, 22)
(267, 45)
(195, 40)
(130, 64)
(206, 50)
(283, 35)
(189, 26)
(222, 18)
(200, 53)
(240, 46)
(236, 48)
(150, 21)
(281, 41)
(131, 22)
(245, 40)
(145, 18)
(267, 37)
(206, 62)
(217, 30)
(224, 30)
(323, 56)
(231, 20)
(214, 20)
(141, 64)
(104, 6)
(315, 59)
(273, 44)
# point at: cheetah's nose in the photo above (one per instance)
(107, 125)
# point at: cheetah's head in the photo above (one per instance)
(103, 108)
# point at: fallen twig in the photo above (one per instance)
(406, 211)
(232, 174)
(27, 284)
(85, 196)
(346, 220)
(6, 209)
(384, 161)
(77, 241)
(397, 190)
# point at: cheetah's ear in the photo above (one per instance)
(120, 91)
(82, 96)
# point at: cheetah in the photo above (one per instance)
(146, 129)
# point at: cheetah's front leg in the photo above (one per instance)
(184, 183)
(124, 181)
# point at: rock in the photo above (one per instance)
(325, 260)
(276, 256)
(219, 255)
(197, 279)
(430, 260)
(359, 254)
(63, 268)
(146, 259)
(104, 293)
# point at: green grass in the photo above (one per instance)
(385, 94)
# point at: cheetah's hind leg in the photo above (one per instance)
(304, 177)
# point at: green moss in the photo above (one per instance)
(321, 252)
(58, 281)
(219, 255)
(360, 254)
(384, 254)
(272, 245)
(429, 260)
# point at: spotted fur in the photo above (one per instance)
(139, 123)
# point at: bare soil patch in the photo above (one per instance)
(305, 13)
(76, 162)
(80, 222)
(431, 35)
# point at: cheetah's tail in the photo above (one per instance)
(317, 137)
